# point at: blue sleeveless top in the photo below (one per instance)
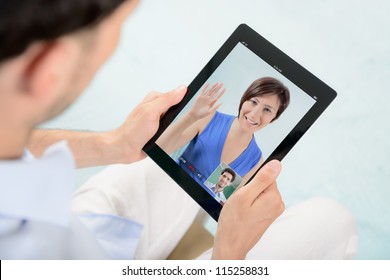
(203, 154)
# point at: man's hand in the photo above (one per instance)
(248, 213)
(143, 123)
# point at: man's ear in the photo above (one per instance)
(50, 68)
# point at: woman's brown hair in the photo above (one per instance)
(267, 86)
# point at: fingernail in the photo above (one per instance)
(275, 165)
(180, 88)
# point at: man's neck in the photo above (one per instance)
(12, 143)
(218, 188)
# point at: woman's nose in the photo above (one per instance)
(257, 113)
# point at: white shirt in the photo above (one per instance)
(219, 196)
(35, 217)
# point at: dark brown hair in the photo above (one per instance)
(267, 86)
(23, 22)
(231, 171)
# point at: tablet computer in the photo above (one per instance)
(250, 104)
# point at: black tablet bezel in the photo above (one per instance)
(310, 84)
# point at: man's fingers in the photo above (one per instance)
(165, 101)
(151, 96)
(264, 178)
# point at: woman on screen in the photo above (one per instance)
(214, 137)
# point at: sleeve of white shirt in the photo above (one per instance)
(209, 185)
(113, 233)
(35, 219)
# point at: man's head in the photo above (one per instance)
(25, 22)
(50, 51)
(226, 178)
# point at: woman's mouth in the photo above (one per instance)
(252, 122)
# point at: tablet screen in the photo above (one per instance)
(204, 157)
(250, 104)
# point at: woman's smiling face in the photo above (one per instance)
(257, 112)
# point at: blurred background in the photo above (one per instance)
(344, 43)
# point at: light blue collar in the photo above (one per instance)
(38, 189)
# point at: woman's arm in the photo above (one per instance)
(179, 133)
(187, 127)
